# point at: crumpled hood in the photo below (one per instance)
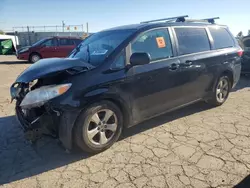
(48, 66)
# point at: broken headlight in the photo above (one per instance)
(41, 95)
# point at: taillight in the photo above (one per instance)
(240, 53)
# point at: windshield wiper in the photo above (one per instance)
(88, 54)
(77, 49)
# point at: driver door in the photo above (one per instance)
(49, 48)
(155, 87)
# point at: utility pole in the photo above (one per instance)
(63, 25)
(87, 27)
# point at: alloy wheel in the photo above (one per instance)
(35, 58)
(102, 127)
(222, 90)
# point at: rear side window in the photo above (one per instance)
(222, 39)
(66, 42)
(192, 40)
(156, 43)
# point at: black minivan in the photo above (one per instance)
(119, 77)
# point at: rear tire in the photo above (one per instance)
(98, 127)
(34, 57)
(221, 91)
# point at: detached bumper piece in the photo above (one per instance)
(37, 122)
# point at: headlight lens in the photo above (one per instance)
(41, 95)
(23, 50)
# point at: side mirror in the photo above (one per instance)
(139, 58)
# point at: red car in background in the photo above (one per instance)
(48, 47)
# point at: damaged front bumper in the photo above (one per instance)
(37, 122)
(56, 113)
(58, 124)
(51, 123)
(55, 117)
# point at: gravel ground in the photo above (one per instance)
(192, 147)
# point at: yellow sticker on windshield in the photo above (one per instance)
(160, 42)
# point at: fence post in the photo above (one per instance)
(63, 24)
(28, 29)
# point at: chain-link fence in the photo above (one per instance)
(56, 28)
(31, 34)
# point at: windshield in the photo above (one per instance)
(98, 46)
(38, 42)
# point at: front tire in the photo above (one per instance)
(34, 57)
(221, 91)
(98, 127)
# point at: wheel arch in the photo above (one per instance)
(119, 102)
(35, 52)
(228, 73)
(122, 107)
(66, 130)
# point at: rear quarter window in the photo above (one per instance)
(77, 41)
(192, 40)
(222, 38)
(66, 42)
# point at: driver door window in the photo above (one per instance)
(50, 43)
(50, 49)
(156, 43)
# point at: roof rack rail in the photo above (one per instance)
(207, 20)
(211, 20)
(177, 19)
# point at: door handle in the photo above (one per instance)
(150, 79)
(188, 63)
(174, 66)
